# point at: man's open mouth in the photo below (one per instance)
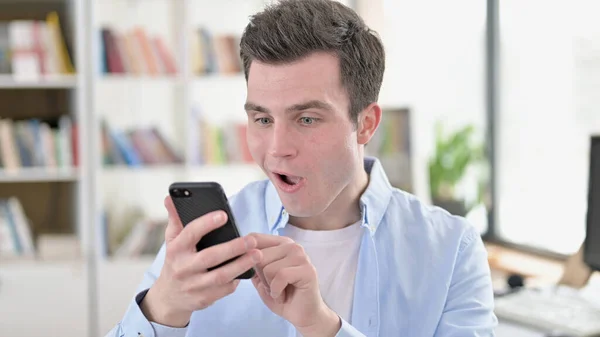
(288, 179)
(288, 183)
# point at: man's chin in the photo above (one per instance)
(297, 209)
(298, 204)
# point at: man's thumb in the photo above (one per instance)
(174, 227)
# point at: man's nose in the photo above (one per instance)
(282, 142)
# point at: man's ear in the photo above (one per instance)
(368, 121)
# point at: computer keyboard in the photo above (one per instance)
(551, 310)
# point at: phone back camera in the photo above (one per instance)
(180, 193)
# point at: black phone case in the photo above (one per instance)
(206, 197)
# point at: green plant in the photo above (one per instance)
(453, 155)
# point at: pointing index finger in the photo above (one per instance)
(265, 240)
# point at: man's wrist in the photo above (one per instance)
(154, 312)
(328, 325)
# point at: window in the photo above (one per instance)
(548, 105)
(435, 65)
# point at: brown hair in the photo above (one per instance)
(293, 29)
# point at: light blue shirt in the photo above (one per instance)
(421, 272)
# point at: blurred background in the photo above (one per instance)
(489, 108)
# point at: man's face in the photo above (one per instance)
(300, 132)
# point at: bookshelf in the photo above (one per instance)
(196, 109)
(192, 111)
(86, 190)
(43, 182)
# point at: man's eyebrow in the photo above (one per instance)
(314, 104)
(249, 106)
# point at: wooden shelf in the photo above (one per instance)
(38, 175)
(225, 165)
(238, 76)
(166, 167)
(176, 80)
(61, 82)
(116, 169)
(211, 78)
(33, 262)
(538, 270)
(29, 1)
(131, 79)
(143, 260)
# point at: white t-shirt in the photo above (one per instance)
(334, 254)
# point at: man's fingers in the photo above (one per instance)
(230, 271)
(286, 276)
(263, 288)
(195, 230)
(260, 278)
(174, 226)
(274, 253)
(214, 294)
(221, 291)
(215, 255)
(270, 270)
(266, 240)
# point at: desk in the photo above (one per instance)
(508, 329)
(537, 271)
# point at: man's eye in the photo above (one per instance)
(307, 120)
(262, 121)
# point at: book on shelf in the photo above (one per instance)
(135, 52)
(136, 147)
(15, 230)
(215, 144)
(17, 237)
(34, 49)
(214, 53)
(35, 143)
(130, 233)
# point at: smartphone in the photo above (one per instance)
(195, 199)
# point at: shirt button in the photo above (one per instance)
(283, 212)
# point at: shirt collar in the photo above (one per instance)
(373, 202)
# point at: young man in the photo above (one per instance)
(338, 250)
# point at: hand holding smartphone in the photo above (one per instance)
(195, 199)
(205, 257)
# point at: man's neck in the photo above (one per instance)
(343, 211)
